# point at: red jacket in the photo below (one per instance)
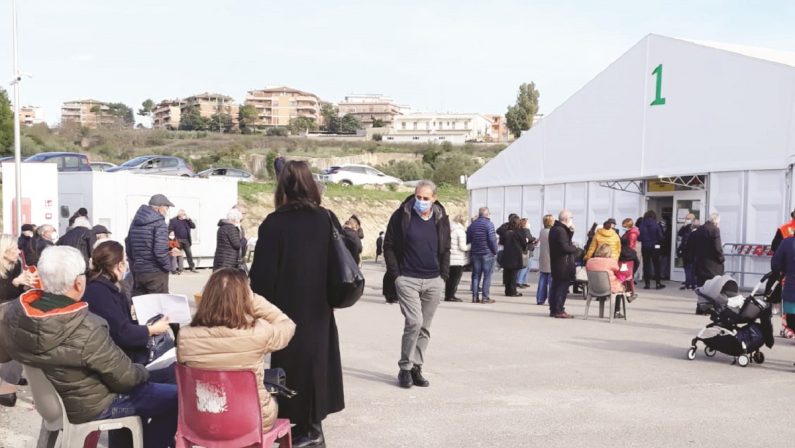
(632, 235)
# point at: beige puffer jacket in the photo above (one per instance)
(236, 349)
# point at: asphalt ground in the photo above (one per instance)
(506, 374)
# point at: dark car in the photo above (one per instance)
(66, 161)
(162, 165)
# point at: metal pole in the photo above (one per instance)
(17, 149)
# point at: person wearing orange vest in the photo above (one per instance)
(785, 231)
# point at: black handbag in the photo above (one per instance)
(161, 343)
(276, 383)
(345, 279)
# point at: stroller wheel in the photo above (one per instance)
(691, 354)
(743, 360)
(709, 351)
(759, 357)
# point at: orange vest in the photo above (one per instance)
(788, 229)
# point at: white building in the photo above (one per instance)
(673, 125)
(439, 128)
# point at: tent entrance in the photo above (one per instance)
(672, 209)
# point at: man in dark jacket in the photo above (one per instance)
(707, 250)
(562, 253)
(228, 242)
(147, 247)
(45, 237)
(417, 255)
(54, 331)
(80, 237)
(683, 251)
(483, 249)
(181, 225)
(651, 239)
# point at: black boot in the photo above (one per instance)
(310, 436)
(659, 286)
(647, 285)
(9, 400)
(417, 378)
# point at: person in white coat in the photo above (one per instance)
(459, 257)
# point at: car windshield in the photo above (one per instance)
(136, 161)
(36, 158)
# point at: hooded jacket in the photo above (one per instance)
(394, 242)
(605, 236)
(147, 242)
(73, 348)
(227, 246)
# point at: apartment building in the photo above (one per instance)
(87, 113)
(276, 106)
(30, 115)
(499, 129)
(368, 108)
(439, 128)
(166, 114)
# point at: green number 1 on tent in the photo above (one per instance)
(658, 98)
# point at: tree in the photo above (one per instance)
(348, 124)
(147, 107)
(247, 116)
(377, 122)
(192, 120)
(6, 123)
(330, 117)
(277, 131)
(220, 121)
(122, 113)
(299, 125)
(519, 117)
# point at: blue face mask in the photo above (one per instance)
(422, 206)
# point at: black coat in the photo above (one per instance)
(684, 251)
(394, 241)
(181, 228)
(514, 246)
(8, 291)
(290, 269)
(35, 248)
(227, 246)
(353, 243)
(80, 238)
(707, 250)
(107, 301)
(147, 242)
(562, 252)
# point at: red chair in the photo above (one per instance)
(221, 409)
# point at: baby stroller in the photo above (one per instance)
(739, 325)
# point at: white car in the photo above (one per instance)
(358, 175)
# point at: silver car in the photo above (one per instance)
(233, 173)
(162, 165)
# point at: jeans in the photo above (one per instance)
(509, 280)
(451, 285)
(542, 292)
(521, 277)
(418, 300)
(482, 265)
(185, 245)
(690, 276)
(558, 291)
(156, 404)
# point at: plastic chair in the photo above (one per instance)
(54, 420)
(221, 408)
(599, 289)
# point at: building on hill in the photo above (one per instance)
(209, 104)
(30, 115)
(665, 127)
(87, 113)
(439, 128)
(499, 129)
(166, 114)
(276, 106)
(369, 108)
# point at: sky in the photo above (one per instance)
(431, 55)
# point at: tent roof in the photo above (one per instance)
(665, 107)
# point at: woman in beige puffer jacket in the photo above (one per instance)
(234, 329)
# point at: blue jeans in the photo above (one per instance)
(690, 276)
(482, 265)
(521, 277)
(542, 292)
(154, 401)
(558, 291)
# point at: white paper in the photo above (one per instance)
(168, 358)
(173, 306)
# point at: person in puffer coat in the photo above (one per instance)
(651, 239)
(459, 257)
(606, 235)
(239, 337)
(147, 247)
(53, 330)
(228, 242)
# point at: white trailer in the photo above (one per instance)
(39, 195)
(113, 198)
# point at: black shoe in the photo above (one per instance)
(487, 300)
(417, 378)
(405, 379)
(22, 381)
(646, 286)
(618, 315)
(455, 299)
(659, 286)
(475, 300)
(193, 270)
(9, 400)
(313, 438)
(516, 294)
(682, 288)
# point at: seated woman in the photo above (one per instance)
(105, 298)
(234, 329)
(603, 260)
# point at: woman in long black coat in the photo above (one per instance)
(291, 262)
(514, 246)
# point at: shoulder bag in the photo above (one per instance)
(345, 279)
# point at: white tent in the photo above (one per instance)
(666, 108)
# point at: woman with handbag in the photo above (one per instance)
(106, 299)
(514, 246)
(234, 329)
(294, 266)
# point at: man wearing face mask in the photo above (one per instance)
(417, 255)
(562, 253)
(683, 252)
(147, 247)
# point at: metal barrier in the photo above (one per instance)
(743, 253)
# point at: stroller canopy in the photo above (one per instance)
(720, 285)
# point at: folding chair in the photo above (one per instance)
(599, 289)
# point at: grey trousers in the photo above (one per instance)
(10, 372)
(418, 300)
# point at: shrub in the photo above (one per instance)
(378, 137)
(277, 131)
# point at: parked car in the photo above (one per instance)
(358, 175)
(67, 161)
(163, 165)
(235, 173)
(102, 166)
